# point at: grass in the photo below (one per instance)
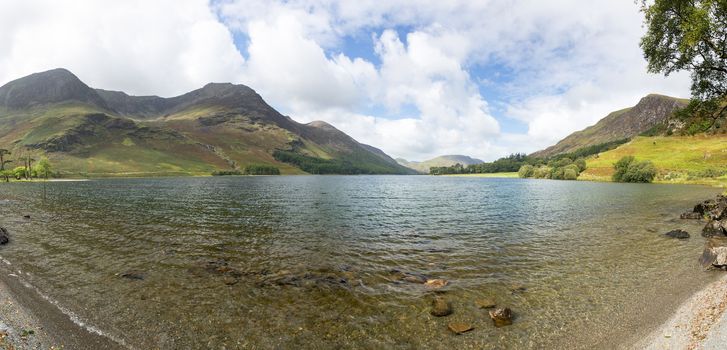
(678, 159)
(492, 175)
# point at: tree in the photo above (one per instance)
(627, 169)
(43, 167)
(3, 153)
(526, 171)
(690, 35)
(19, 172)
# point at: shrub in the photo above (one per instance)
(570, 174)
(581, 163)
(526, 170)
(542, 172)
(630, 170)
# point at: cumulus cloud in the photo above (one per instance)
(164, 47)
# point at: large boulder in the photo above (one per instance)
(4, 236)
(715, 254)
(714, 209)
(715, 228)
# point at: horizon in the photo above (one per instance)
(437, 82)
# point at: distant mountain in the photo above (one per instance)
(448, 160)
(217, 127)
(651, 111)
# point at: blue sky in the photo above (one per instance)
(417, 79)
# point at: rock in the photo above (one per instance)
(460, 327)
(133, 275)
(485, 303)
(501, 317)
(714, 255)
(518, 288)
(436, 283)
(229, 280)
(714, 228)
(441, 307)
(715, 209)
(4, 236)
(691, 216)
(415, 279)
(679, 234)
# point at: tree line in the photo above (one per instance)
(27, 166)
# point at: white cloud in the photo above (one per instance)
(162, 47)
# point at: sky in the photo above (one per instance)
(418, 79)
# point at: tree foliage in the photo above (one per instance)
(691, 35)
(628, 169)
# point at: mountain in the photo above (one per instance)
(94, 132)
(447, 160)
(650, 112)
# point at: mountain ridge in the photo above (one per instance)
(218, 126)
(650, 111)
(440, 161)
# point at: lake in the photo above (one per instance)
(319, 261)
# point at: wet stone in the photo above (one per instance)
(460, 327)
(4, 236)
(133, 275)
(441, 307)
(436, 283)
(501, 317)
(678, 234)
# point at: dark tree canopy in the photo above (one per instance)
(690, 35)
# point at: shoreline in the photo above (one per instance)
(29, 320)
(700, 322)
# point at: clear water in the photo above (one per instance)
(305, 261)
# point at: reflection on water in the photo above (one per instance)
(319, 261)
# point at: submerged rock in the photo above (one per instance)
(459, 327)
(691, 216)
(133, 275)
(485, 303)
(679, 234)
(714, 255)
(4, 236)
(501, 317)
(714, 228)
(436, 283)
(441, 307)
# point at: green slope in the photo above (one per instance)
(88, 132)
(700, 159)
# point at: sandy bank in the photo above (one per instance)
(699, 323)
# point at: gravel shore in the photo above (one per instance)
(29, 321)
(699, 323)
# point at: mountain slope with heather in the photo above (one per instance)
(651, 111)
(94, 132)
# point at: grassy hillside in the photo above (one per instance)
(220, 127)
(626, 123)
(700, 159)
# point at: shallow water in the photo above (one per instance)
(310, 258)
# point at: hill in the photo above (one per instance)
(651, 111)
(678, 159)
(441, 161)
(94, 132)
